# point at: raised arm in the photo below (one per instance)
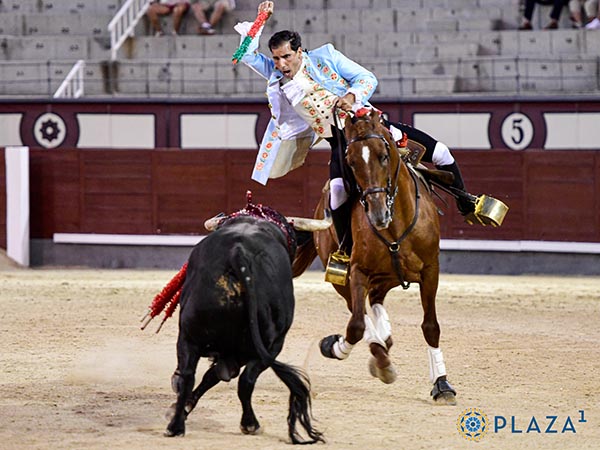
(266, 7)
(259, 62)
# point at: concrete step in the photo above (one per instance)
(19, 6)
(60, 7)
(423, 86)
(67, 24)
(23, 78)
(43, 48)
(11, 24)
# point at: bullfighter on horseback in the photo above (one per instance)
(306, 91)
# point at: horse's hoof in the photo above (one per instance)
(326, 345)
(443, 393)
(388, 374)
(446, 398)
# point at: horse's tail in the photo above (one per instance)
(305, 255)
(300, 403)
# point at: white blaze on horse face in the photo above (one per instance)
(366, 152)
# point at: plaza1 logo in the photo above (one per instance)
(473, 424)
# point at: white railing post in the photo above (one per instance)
(17, 204)
(121, 26)
(72, 85)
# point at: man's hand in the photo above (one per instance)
(345, 103)
(266, 7)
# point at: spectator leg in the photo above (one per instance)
(178, 13)
(557, 9)
(199, 13)
(528, 14)
(218, 12)
(154, 12)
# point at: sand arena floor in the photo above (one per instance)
(76, 372)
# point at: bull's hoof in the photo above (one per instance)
(252, 429)
(326, 345)
(388, 374)
(443, 393)
(173, 432)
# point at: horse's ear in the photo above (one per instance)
(375, 116)
(376, 119)
(348, 128)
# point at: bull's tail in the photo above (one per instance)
(305, 255)
(300, 403)
(296, 380)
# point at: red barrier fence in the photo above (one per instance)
(163, 168)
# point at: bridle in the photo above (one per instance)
(391, 190)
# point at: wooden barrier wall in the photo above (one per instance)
(552, 196)
(163, 167)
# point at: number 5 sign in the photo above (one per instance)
(517, 131)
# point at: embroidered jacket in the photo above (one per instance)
(330, 69)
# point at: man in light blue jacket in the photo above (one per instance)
(305, 89)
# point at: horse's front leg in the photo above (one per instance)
(442, 391)
(379, 336)
(337, 346)
(380, 315)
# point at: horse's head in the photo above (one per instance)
(373, 158)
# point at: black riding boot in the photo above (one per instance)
(342, 217)
(463, 202)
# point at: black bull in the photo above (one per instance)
(237, 304)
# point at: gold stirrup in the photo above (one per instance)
(336, 271)
(488, 211)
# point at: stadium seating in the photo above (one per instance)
(415, 47)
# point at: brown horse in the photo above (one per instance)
(396, 233)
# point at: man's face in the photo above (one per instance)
(287, 61)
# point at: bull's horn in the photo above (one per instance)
(299, 223)
(306, 224)
(212, 223)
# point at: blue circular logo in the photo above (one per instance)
(472, 424)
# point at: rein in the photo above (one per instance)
(393, 246)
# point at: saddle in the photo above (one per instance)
(486, 209)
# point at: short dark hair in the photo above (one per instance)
(281, 37)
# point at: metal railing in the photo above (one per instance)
(121, 26)
(72, 85)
